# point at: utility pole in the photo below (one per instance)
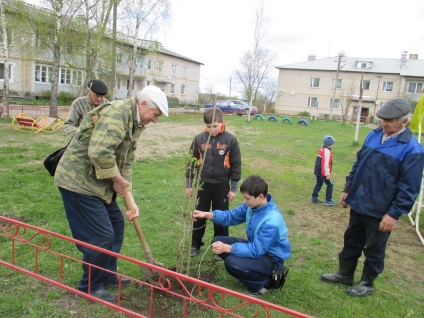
(340, 55)
(358, 114)
(229, 96)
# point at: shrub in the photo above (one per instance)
(304, 114)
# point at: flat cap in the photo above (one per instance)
(394, 108)
(98, 87)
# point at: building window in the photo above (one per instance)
(363, 65)
(172, 89)
(312, 102)
(334, 103)
(337, 84)
(42, 74)
(2, 72)
(76, 77)
(160, 66)
(119, 58)
(183, 88)
(388, 86)
(415, 87)
(184, 71)
(65, 76)
(174, 69)
(314, 82)
(366, 85)
(149, 64)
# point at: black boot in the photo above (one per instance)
(344, 275)
(365, 286)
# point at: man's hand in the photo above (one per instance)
(387, 224)
(231, 196)
(120, 185)
(342, 199)
(131, 209)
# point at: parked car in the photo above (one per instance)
(235, 107)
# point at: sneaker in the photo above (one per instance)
(330, 203)
(316, 200)
(194, 251)
(125, 282)
(103, 295)
(260, 292)
(217, 258)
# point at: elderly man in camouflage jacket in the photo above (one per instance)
(96, 166)
(82, 105)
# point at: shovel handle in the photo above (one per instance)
(140, 234)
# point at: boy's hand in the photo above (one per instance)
(201, 215)
(188, 192)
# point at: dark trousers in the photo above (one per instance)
(215, 194)
(255, 273)
(363, 235)
(93, 221)
(318, 186)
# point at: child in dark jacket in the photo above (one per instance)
(322, 171)
(220, 174)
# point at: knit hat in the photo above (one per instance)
(158, 97)
(394, 108)
(97, 87)
(329, 140)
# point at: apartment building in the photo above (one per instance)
(31, 66)
(336, 87)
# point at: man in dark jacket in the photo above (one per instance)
(221, 171)
(383, 184)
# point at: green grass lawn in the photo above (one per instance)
(283, 154)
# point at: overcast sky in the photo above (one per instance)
(217, 32)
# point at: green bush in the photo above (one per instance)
(66, 97)
(304, 114)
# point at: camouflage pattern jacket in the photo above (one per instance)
(97, 152)
(79, 107)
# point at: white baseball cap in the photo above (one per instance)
(158, 97)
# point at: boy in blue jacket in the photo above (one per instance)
(254, 260)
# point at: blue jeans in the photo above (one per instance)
(318, 186)
(363, 235)
(255, 273)
(95, 222)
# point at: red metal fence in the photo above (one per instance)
(46, 247)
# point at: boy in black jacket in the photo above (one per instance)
(219, 176)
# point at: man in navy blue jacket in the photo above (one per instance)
(383, 184)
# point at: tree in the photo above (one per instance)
(56, 30)
(257, 63)
(142, 16)
(5, 51)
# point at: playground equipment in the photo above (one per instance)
(272, 118)
(286, 119)
(260, 116)
(303, 121)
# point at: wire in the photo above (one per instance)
(198, 271)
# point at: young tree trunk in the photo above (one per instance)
(5, 50)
